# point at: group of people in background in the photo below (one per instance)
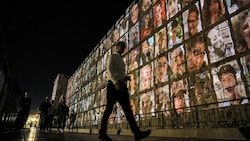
(23, 113)
(50, 113)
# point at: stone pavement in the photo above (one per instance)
(34, 134)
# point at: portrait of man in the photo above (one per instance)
(133, 59)
(196, 53)
(134, 35)
(177, 62)
(160, 42)
(161, 69)
(146, 77)
(232, 91)
(147, 51)
(192, 24)
(133, 83)
(115, 34)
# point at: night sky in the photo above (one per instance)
(43, 39)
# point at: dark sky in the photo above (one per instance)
(44, 39)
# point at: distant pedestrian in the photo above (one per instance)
(23, 113)
(44, 109)
(72, 118)
(62, 114)
(51, 114)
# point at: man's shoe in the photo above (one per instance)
(142, 135)
(105, 138)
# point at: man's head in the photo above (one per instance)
(26, 94)
(120, 46)
(146, 76)
(161, 69)
(226, 69)
(227, 76)
(52, 101)
(177, 61)
(192, 20)
(196, 53)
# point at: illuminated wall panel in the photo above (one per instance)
(180, 54)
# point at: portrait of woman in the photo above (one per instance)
(213, 11)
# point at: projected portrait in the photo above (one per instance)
(196, 53)
(124, 38)
(146, 77)
(230, 87)
(133, 86)
(146, 25)
(134, 35)
(134, 14)
(213, 10)
(134, 104)
(134, 58)
(220, 44)
(159, 13)
(234, 5)
(177, 62)
(125, 60)
(174, 33)
(162, 100)
(147, 104)
(103, 100)
(241, 30)
(147, 51)
(192, 21)
(180, 96)
(124, 24)
(172, 7)
(145, 4)
(201, 91)
(115, 34)
(160, 42)
(161, 69)
(245, 63)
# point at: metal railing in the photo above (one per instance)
(194, 117)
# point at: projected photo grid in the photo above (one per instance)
(179, 54)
